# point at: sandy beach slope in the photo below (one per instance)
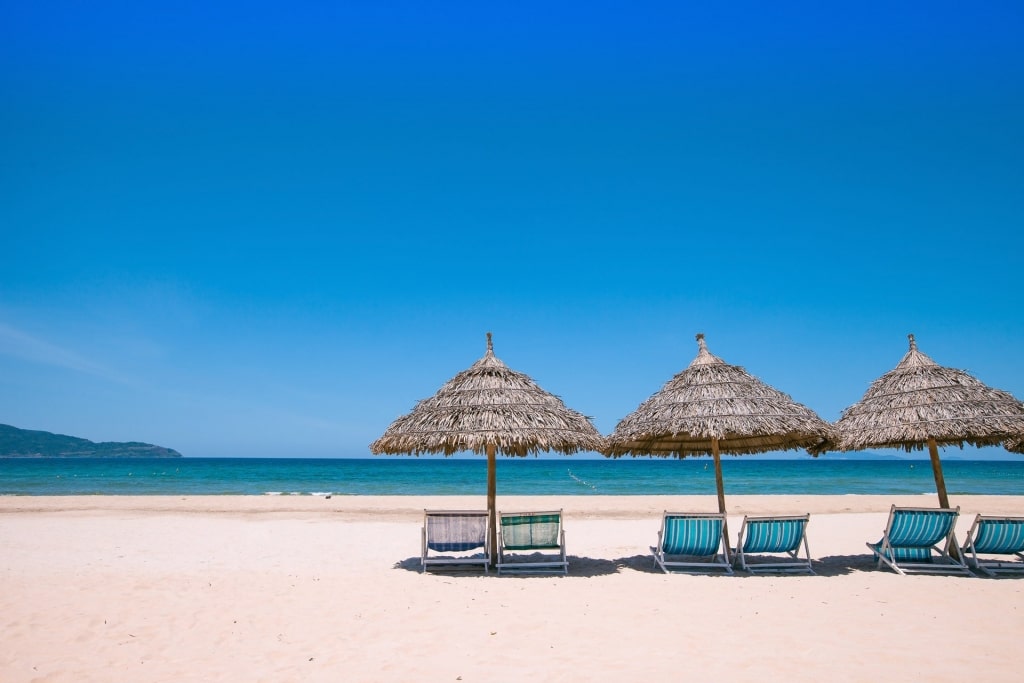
(238, 588)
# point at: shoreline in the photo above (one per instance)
(583, 506)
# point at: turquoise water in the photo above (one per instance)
(516, 476)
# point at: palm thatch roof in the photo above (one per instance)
(920, 400)
(489, 404)
(1014, 445)
(713, 401)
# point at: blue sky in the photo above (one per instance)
(269, 229)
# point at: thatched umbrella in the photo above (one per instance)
(919, 403)
(713, 407)
(490, 408)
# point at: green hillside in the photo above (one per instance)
(25, 443)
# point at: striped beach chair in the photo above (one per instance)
(455, 539)
(692, 542)
(918, 540)
(772, 544)
(991, 535)
(531, 542)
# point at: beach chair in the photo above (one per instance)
(692, 542)
(995, 536)
(531, 542)
(762, 540)
(918, 540)
(455, 539)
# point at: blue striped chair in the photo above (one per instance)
(455, 539)
(690, 541)
(919, 540)
(530, 542)
(763, 539)
(995, 536)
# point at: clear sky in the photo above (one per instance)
(270, 228)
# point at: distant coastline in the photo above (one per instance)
(27, 443)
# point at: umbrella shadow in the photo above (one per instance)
(410, 564)
(841, 565)
(645, 564)
(638, 563)
(591, 566)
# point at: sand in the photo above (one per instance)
(269, 588)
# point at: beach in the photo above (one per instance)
(310, 588)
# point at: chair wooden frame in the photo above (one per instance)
(455, 540)
(763, 539)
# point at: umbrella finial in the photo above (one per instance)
(704, 356)
(490, 344)
(913, 344)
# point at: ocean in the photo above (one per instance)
(516, 476)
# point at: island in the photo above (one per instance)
(27, 443)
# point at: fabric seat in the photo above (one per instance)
(531, 542)
(691, 542)
(919, 540)
(762, 539)
(455, 539)
(990, 535)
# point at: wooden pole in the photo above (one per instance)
(721, 493)
(940, 482)
(492, 490)
(940, 486)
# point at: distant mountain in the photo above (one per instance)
(25, 443)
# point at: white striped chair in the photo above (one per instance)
(455, 539)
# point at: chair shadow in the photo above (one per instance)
(837, 565)
(578, 566)
(589, 567)
(1001, 576)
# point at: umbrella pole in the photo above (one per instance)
(940, 486)
(721, 493)
(492, 489)
(940, 482)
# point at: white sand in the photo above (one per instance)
(237, 588)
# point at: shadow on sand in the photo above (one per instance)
(588, 567)
(578, 566)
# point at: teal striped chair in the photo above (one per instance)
(772, 544)
(995, 536)
(918, 540)
(531, 542)
(455, 539)
(692, 542)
